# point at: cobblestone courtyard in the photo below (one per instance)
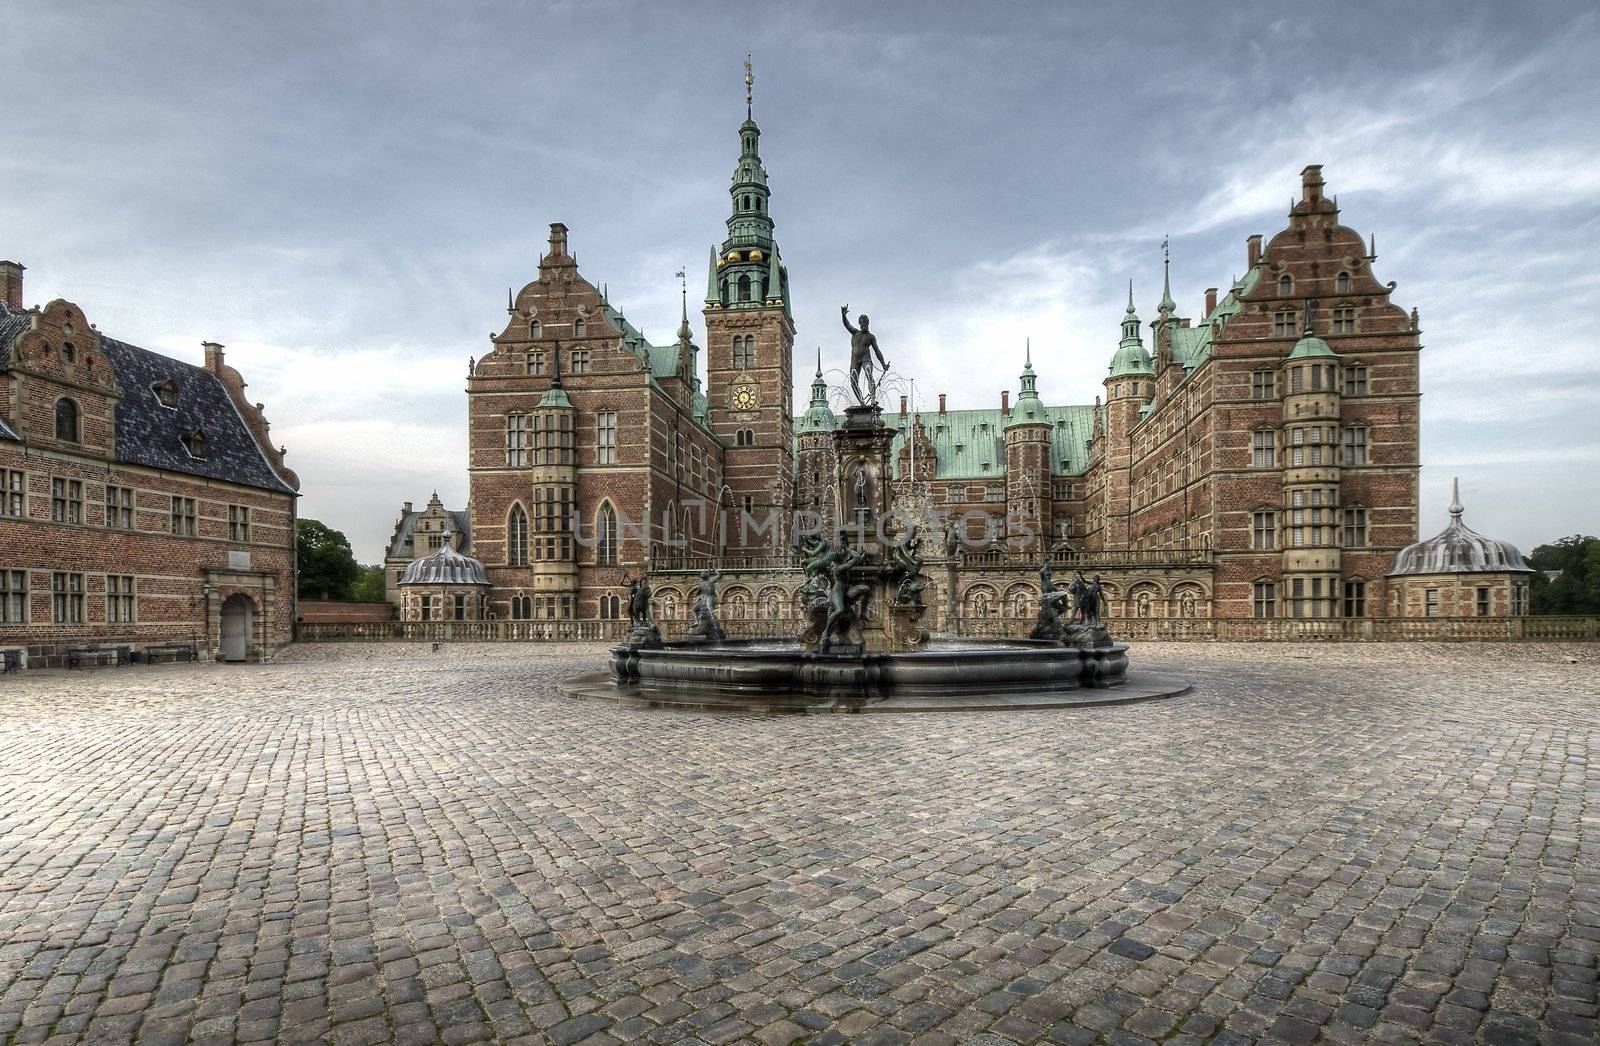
(365, 844)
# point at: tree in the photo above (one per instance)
(326, 563)
(370, 586)
(1576, 590)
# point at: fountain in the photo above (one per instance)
(862, 646)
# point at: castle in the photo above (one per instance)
(1259, 461)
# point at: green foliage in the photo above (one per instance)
(1577, 590)
(325, 560)
(370, 586)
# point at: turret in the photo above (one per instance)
(1311, 474)
(1028, 445)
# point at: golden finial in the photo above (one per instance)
(749, 82)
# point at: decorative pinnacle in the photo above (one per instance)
(1130, 297)
(819, 362)
(1167, 304)
(1027, 353)
(1455, 500)
(749, 84)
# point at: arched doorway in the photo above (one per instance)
(238, 619)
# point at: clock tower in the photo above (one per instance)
(749, 354)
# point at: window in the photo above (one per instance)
(552, 438)
(461, 606)
(183, 517)
(66, 598)
(516, 439)
(1355, 599)
(13, 492)
(1341, 283)
(1263, 384)
(166, 393)
(552, 523)
(580, 329)
(1355, 446)
(1344, 321)
(1266, 599)
(535, 329)
(195, 443)
(1261, 450)
(119, 599)
(1285, 285)
(740, 360)
(1431, 602)
(745, 438)
(239, 524)
(1283, 325)
(605, 437)
(119, 507)
(517, 537)
(1297, 379)
(66, 420)
(69, 352)
(66, 500)
(426, 607)
(13, 597)
(1355, 381)
(1519, 600)
(744, 288)
(1264, 530)
(536, 363)
(610, 607)
(606, 535)
(580, 361)
(1355, 527)
(1483, 601)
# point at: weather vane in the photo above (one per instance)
(749, 82)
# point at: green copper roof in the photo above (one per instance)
(1310, 345)
(1191, 346)
(555, 397)
(1131, 359)
(819, 417)
(970, 444)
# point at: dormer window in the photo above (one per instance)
(166, 393)
(195, 443)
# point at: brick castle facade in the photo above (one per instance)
(143, 509)
(1259, 461)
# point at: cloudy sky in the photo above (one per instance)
(342, 193)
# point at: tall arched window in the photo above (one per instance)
(744, 288)
(1285, 285)
(66, 420)
(535, 329)
(606, 535)
(1341, 283)
(517, 537)
(579, 329)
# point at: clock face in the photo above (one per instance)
(744, 398)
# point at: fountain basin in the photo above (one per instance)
(947, 674)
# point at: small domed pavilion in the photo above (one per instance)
(444, 586)
(1459, 573)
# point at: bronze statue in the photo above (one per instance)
(1086, 599)
(863, 346)
(908, 570)
(639, 593)
(846, 602)
(705, 624)
(1051, 602)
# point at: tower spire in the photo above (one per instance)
(1167, 304)
(1455, 499)
(1131, 311)
(749, 84)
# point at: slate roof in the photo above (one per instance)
(445, 567)
(153, 435)
(404, 534)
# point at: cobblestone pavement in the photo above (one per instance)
(1345, 843)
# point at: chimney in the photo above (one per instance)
(408, 506)
(1311, 183)
(11, 284)
(1005, 402)
(558, 240)
(902, 406)
(941, 403)
(1211, 301)
(1252, 250)
(213, 356)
